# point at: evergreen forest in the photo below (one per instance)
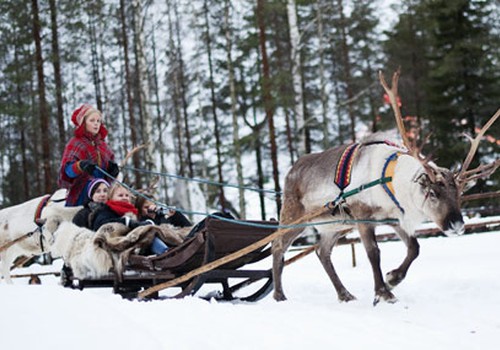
(235, 91)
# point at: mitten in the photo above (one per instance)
(113, 169)
(87, 166)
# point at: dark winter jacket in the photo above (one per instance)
(82, 217)
(105, 215)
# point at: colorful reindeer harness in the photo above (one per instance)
(343, 174)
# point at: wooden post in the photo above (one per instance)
(353, 251)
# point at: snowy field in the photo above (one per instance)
(450, 300)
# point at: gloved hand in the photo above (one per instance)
(113, 169)
(88, 166)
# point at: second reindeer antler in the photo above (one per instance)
(482, 171)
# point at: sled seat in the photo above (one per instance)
(216, 240)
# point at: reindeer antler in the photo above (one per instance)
(392, 92)
(412, 147)
(484, 170)
(152, 186)
(131, 153)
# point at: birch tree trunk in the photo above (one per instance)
(159, 121)
(222, 199)
(56, 62)
(286, 93)
(22, 126)
(43, 112)
(175, 84)
(95, 60)
(347, 69)
(236, 136)
(323, 95)
(183, 91)
(297, 76)
(128, 88)
(143, 86)
(268, 101)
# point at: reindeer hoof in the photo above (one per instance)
(393, 278)
(279, 296)
(385, 295)
(346, 296)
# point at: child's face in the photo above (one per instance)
(101, 193)
(144, 210)
(93, 123)
(121, 194)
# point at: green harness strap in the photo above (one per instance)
(343, 195)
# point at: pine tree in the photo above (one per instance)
(462, 85)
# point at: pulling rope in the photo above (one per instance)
(203, 181)
(329, 206)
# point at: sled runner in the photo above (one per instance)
(217, 239)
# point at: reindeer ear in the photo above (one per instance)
(423, 180)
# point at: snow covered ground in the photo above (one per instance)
(450, 300)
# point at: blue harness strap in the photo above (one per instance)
(388, 171)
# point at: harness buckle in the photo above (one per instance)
(334, 205)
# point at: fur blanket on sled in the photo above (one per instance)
(94, 254)
(119, 241)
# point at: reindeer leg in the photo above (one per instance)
(291, 210)
(394, 277)
(5, 262)
(324, 252)
(279, 247)
(367, 233)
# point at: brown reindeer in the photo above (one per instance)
(399, 183)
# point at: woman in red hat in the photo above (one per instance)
(86, 150)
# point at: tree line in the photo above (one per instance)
(236, 91)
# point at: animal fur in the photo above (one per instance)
(75, 245)
(18, 220)
(120, 242)
(94, 254)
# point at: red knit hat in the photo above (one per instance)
(78, 118)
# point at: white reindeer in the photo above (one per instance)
(19, 220)
(409, 188)
(75, 245)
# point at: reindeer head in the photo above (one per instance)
(439, 186)
(439, 189)
(439, 197)
(427, 193)
(49, 226)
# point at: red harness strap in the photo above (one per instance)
(41, 205)
(344, 167)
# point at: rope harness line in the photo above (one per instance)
(329, 206)
(203, 181)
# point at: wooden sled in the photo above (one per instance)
(217, 239)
